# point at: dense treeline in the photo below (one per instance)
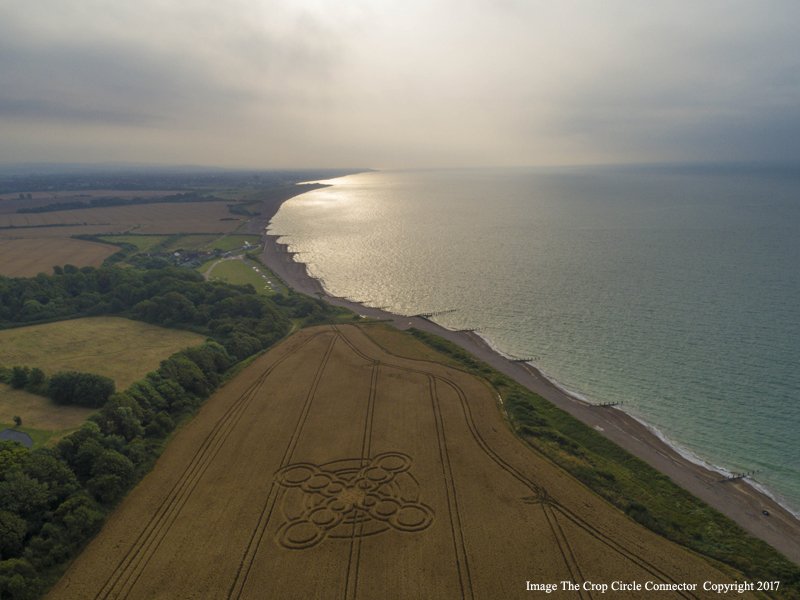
(53, 500)
(241, 320)
(65, 387)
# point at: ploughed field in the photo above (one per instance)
(330, 468)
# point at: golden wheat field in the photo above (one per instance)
(330, 468)
(26, 257)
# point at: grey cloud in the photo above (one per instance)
(418, 82)
(140, 82)
(38, 109)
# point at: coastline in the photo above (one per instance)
(686, 454)
(740, 500)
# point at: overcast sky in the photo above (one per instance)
(398, 83)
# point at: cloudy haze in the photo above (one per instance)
(384, 83)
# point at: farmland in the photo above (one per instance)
(187, 211)
(145, 218)
(332, 468)
(25, 257)
(118, 348)
(33, 243)
(83, 195)
(39, 415)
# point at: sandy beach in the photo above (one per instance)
(738, 499)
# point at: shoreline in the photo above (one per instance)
(683, 452)
(740, 500)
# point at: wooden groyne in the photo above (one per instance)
(737, 476)
(429, 315)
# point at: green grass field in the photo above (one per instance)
(190, 242)
(211, 242)
(143, 243)
(241, 272)
(203, 241)
(118, 348)
(231, 242)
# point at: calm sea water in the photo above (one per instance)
(676, 292)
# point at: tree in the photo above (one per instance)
(23, 495)
(86, 456)
(188, 375)
(48, 547)
(44, 466)
(33, 310)
(160, 426)
(36, 376)
(139, 452)
(241, 345)
(18, 580)
(37, 382)
(12, 454)
(112, 473)
(118, 417)
(80, 516)
(19, 377)
(69, 447)
(12, 534)
(83, 389)
(146, 396)
(177, 398)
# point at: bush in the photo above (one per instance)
(82, 389)
(19, 377)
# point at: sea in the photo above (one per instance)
(672, 290)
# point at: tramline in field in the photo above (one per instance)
(332, 468)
